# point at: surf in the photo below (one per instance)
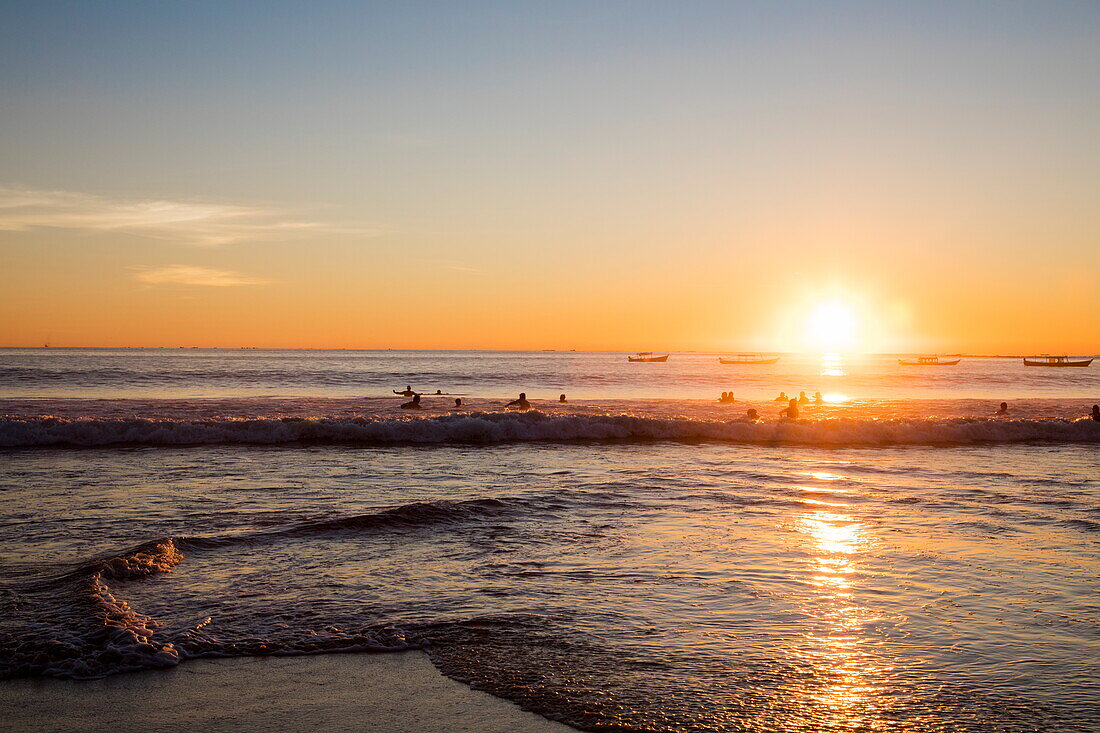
(488, 428)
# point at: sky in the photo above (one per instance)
(570, 175)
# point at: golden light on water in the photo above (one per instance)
(834, 540)
(832, 534)
(824, 476)
(819, 502)
(832, 365)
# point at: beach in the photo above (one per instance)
(197, 533)
(336, 692)
(705, 367)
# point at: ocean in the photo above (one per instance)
(640, 557)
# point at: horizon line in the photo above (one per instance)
(1000, 355)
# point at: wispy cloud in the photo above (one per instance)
(209, 224)
(188, 275)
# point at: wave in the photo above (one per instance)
(93, 633)
(409, 516)
(83, 630)
(491, 428)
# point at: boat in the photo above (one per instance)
(646, 356)
(1055, 361)
(749, 359)
(929, 361)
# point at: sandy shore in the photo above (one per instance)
(337, 692)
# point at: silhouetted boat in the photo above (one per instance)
(1056, 361)
(646, 356)
(749, 359)
(929, 361)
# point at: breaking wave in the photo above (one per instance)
(94, 632)
(492, 428)
(81, 629)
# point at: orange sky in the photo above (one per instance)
(568, 178)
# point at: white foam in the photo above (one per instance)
(536, 426)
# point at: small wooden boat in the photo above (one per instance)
(1055, 361)
(929, 361)
(646, 356)
(749, 359)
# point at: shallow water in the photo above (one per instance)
(618, 564)
(661, 586)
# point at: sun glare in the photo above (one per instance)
(831, 326)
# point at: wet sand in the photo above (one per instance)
(336, 692)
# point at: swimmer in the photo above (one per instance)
(818, 398)
(802, 398)
(1095, 414)
(458, 402)
(521, 403)
(407, 393)
(790, 411)
(414, 405)
(727, 397)
(782, 397)
(1003, 409)
(752, 414)
(439, 391)
(561, 398)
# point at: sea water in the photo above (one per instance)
(640, 557)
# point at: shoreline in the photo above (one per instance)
(399, 691)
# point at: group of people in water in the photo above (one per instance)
(802, 399)
(521, 403)
(818, 398)
(790, 412)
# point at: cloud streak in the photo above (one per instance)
(188, 275)
(206, 224)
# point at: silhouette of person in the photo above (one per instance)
(752, 414)
(413, 405)
(791, 410)
(561, 398)
(818, 398)
(458, 402)
(782, 397)
(407, 393)
(521, 403)
(439, 391)
(803, 398)
(1003, 409)
(1095, 414)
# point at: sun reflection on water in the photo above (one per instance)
(822, 475)
(836, 647)
(832, 365)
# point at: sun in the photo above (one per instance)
(831, 326)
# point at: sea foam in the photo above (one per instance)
(496, 428)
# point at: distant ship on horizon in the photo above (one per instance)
(1046, 360)
(646, 356)
(928, 360)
